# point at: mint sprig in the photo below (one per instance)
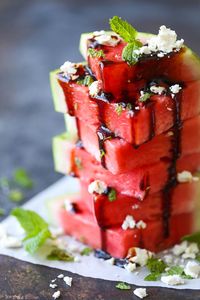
(96, 53)
(192, 238)
(128, 33)
(123, 286)
(37, 230)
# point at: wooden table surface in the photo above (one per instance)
(36, 37)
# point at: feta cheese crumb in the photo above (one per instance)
(56, 295)
(60, 276)
(135, 206)
(141, 257)
(129, 222)
(110, 261)
(56, 232)
(141, 225)
(157, 89)
(191, 251)
(94, 88)
(107, 39)
(192, 269)
(168, 259)
(172, 280)
(175, 89)
(68, 68)
(130, 267)
(68, 280)
(97, 186)
(140, 293)
(186, 176)
(11, 242)
(180, 248)
(53, 285)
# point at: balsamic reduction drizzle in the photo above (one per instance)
(103, 134)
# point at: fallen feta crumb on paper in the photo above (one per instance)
(141, 256)
(68, 280)
(140, 293)
(130, 267)
(186, 176)
(129, 222)
(56, 295)
(53, 285)
(175, 89)
(97, 186)
(9, 241)
(157, 89)
(68, 68)
(192, 269)
(172, 280)
(110, 261)
(60, 276)
(94, 88)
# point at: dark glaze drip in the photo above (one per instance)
(176, 150)
(152, 120)
(119, 262)
(79, 144)
(103, 134)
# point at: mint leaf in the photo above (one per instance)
(112, 195)
(96, 53)
(156, 265)
(87, 80)
(145, 97)
(37, 231)
(22, 178)
(126, 31)
(123, 286)
(119, 108)
(192, 238)
(102, 153)
(152, 277)
(184, 276)
(128, 53)
(16, 195)
(60, 254)
(175, 270)
(86, 251)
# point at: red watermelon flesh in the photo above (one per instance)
(135, 183)
(121, 80)
(121, 157)
(112, 213)
(117, 241)
(133, 126)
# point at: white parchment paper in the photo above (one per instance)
(89, 265)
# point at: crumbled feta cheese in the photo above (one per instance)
(53, 280)
(68, 280)
(11, 242)
(135, 206)
(100, 32)
(68, 68)
(172, 280)
(141, 257)
(191, 251)
(68, 206)
(56, 231)
(168, 259)
(97, 186)
(53, 285)
(94, 88)
(141, 225)
(107, 39)
(130, 267)
(60, 276)
(157, 89)
(180, 248)
(192, 269)
(186, 176)
(110, 261)
(129, 222)
(175, 89)
(56, 295)
(140, 293)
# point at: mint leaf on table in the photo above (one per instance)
(175, 270)
(128, 53)
(156, 265)
(96, 53)
(125, 30)
(22, 178)
(152, 277)
(60, 254)
(112, 195)
(86, 251)
(123, 286)
(16, 195)
(192, 238)
(37, 230)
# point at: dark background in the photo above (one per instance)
(36, 37)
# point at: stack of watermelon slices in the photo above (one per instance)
(133, 140)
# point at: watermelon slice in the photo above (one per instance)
(132, 125)
(121, 79)
(115, 240)
(70, 159)
(120, 156)
(183, 200)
